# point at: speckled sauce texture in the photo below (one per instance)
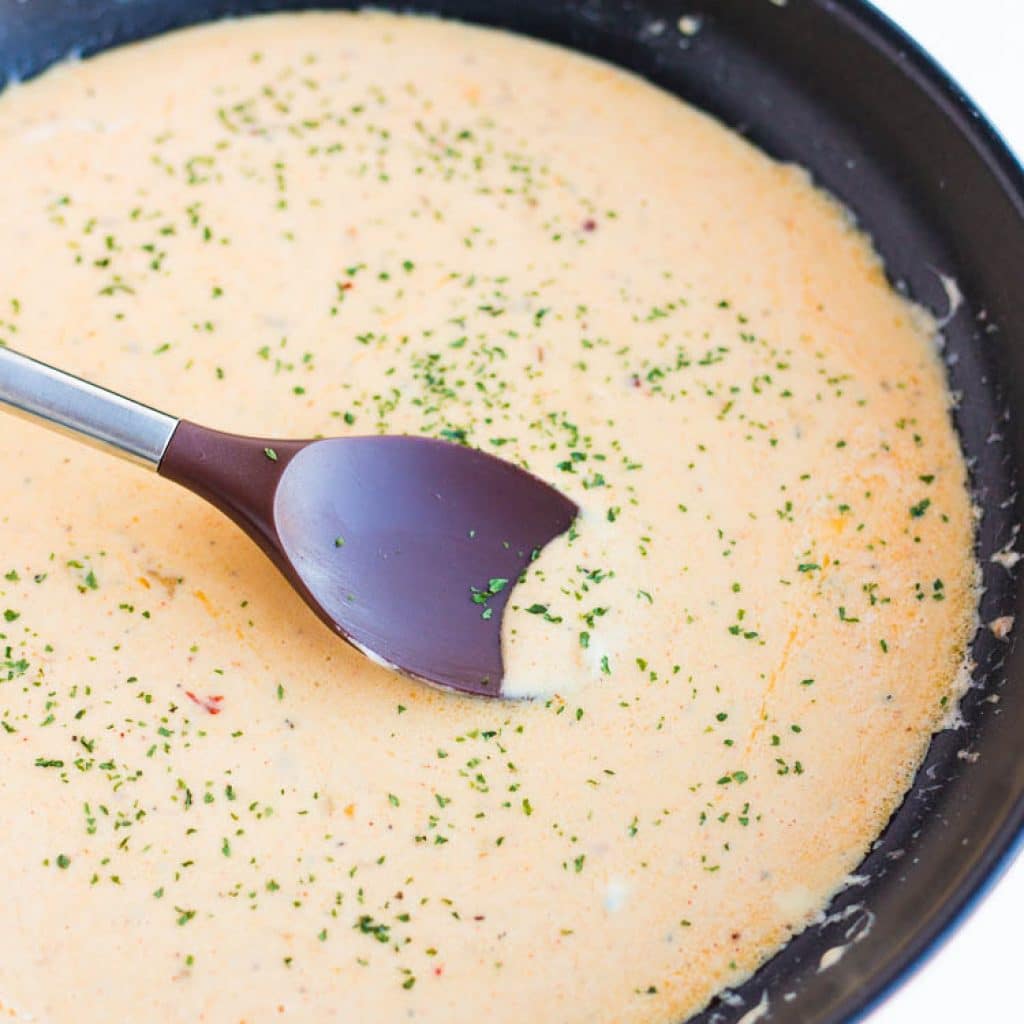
(212, 809)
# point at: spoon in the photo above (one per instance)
(408, 547)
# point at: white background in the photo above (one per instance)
(975, 977)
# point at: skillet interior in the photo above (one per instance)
(836, 88)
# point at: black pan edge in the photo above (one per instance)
(1008, 843)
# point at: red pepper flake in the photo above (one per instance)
(345, 286)
(211, 703)
(590, 224)
(438, 971)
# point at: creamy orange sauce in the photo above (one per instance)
(215, 811)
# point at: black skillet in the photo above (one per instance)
(835, 87)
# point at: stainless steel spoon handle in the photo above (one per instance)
(92, 414)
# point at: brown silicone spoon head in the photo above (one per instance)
(407, 547)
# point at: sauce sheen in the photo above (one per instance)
(357, 224)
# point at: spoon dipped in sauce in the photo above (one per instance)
(407, 547)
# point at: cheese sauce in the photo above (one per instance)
(341, 224)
